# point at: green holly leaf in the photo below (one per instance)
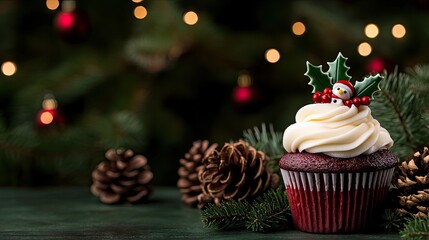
(368, 86)
(338, 69)
(318, 79)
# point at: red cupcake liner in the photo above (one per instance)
(336, 202)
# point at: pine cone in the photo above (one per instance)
(124, 179)
(188, 183)
(413, 184)
(237, 172)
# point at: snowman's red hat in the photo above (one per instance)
(347, 85)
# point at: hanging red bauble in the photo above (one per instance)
(49, 114)
(72, 24)
(243, 94)
(376, 65)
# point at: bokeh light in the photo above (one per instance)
(244, 80)
(190, 18)
(298, 28)
(137, 1)
(8, 68)
(364, 49)
(272, 55)
(398, 31)
(46, 117)
(52, 4)
(371, 30)
(242, 94)
(140, 12)
(376, 65)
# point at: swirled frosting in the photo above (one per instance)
(337, 131)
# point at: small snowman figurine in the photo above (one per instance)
(341, 91)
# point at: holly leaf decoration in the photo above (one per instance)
(338, 69)
(368, 86)
(318, 79)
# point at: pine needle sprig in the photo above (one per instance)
(228, 216)
(269, 212)
(399, 110)
(392, 220)
(267, 141)
(420, 83)
(416, 229)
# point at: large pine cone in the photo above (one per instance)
(191, 164)
(413, 185)
(125, 178)
(238, 171)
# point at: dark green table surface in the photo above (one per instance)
(73, 213)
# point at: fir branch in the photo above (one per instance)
(420, 83)
(416, 228)
(399, 110)
(392, 220)
(269, 142)
(269, 212)
(227, 216)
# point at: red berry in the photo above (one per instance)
(317, 97)
(348, 102)
(327, 91)
(326, 98)
(365, 100)
(356, 101)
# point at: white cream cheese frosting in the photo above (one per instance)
(337, 131)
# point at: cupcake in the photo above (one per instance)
(338, 165)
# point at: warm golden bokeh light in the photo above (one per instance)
(46, 118)
(364, 49)
(190, 18)
(140, 12)
(398, 31)
(52, 4)
(137, 1)
(371, 30)
(49, 104)
(298, 28)
(272, 55)
(244, 80)
(8, 68)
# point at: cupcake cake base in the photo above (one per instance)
(339, 199)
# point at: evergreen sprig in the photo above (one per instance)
(227, 216)
(392, 220)
(268, 141)
(268, 212)
(400, 110)
(416, 228)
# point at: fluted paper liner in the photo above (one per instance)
(335, 202)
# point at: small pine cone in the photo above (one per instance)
(238, 171)
(125, 178)
(191, 163)
(413, 184)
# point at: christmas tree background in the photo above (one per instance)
(157, 84)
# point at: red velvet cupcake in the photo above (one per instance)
(338, 165)
(329, 195)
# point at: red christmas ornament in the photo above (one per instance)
(243, 94)
(72, 24)
(376, 65)
(49, 113)
(365, 100)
